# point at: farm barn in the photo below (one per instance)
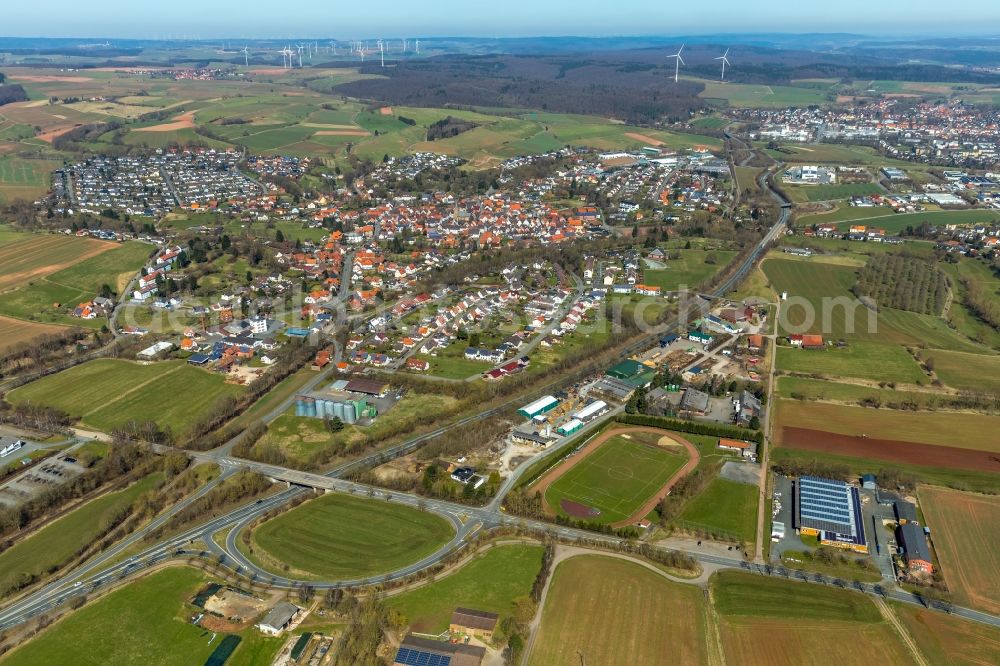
(830, 510)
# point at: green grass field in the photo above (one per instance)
(453, 367)
(146, 622)
(49, 297)
(490, 582)
(105, 393)
(58, 542)
(751, 95)
(737, 594)
(821, 301)
(967, 372)
(616, 478)
(339, 537)
(725, 507)
(619, 612)
(833, 192)
(862, 360)
(690, 270)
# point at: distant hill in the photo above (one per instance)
(12, 93)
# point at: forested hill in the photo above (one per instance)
(628, 91)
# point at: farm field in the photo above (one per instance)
(843, 316)
(895, 223)
(338, 537)
(950, 429)
(967, 372)
(105, 393)
(616, 478)
(761, 96)
(860, 461)
(24, 257)
(52, 294)
(963, 532)
(689, 271)
(806, 388)
(831, 192)
(862, 360)
(15, 331)
(833, 153)
(490, 582)
(149, 620)
(618, 612)
(58, 542)
(950, 640)
(726, 508)
(24, 178)
(775, 622)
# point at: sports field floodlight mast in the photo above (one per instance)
(677, 63)
(725, 61)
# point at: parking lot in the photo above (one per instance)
(50, 473)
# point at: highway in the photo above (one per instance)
(468, 521)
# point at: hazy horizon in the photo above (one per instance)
(252, 19)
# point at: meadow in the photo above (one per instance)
(862, 360)
(616, 478)
(58, 542)
(751, 95)
(825, 284)
(725, 508)
(775, 622)
(105, 393)
(149, 623)
(339, 537)
(963, 532)
(690, 270)
(964, 371)
(618, 612)
(491, 581)
(49, 286)
(832, 192)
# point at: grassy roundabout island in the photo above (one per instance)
(338, 537)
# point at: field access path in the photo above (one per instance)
(565, 466)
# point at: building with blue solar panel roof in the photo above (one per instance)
(830, 510)
(416, 651)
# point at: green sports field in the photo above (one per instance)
(617, 478)
(105, 393)
(490, 582)
(341, 537)
(146, 622)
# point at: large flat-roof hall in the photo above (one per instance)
(830, 510)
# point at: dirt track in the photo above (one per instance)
(559, 470)
(891, 450)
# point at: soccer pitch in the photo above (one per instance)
(617, 478)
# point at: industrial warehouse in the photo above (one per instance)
(830, 510)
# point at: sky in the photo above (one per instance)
(146, 19)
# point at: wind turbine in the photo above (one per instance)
(246, 55)
(677, 63)
(725, 61)
(381, 51)
(418, 47)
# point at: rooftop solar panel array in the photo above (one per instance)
(411, 657)
(827, 505)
